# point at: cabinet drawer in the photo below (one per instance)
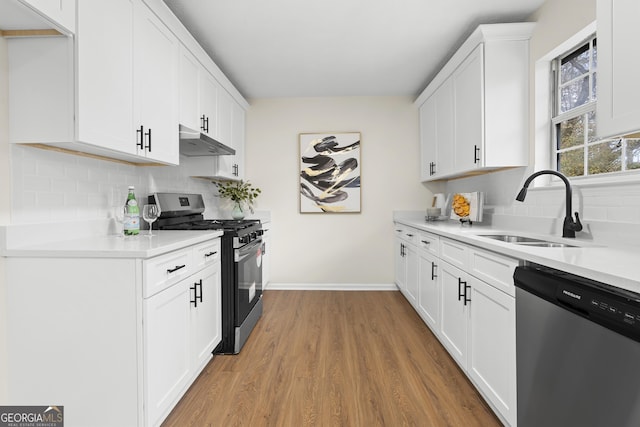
(454, 253)
(497, 270)
(206, 254)
(408, 234)
(429, 242)
(163, 271)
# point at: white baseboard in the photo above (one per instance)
(332, 286)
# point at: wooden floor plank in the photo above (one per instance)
(331, 358)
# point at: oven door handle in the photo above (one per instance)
(246, 250)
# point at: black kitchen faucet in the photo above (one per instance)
(569, 226)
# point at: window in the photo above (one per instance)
(578, 151)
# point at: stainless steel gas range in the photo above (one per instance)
(241, 259)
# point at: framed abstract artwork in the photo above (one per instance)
(330, 172)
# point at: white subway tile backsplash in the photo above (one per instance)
(51, 186)
(36, 183)
(611, 207)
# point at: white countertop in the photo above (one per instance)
(113, 246)
(613, 265)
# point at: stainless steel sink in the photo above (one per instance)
(509, 238)
(543, 244)
(527, 241)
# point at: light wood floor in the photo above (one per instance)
(325, 358)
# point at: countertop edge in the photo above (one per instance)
(611, 265)
(114, 246)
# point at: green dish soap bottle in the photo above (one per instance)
(132, 214)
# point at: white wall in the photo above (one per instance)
(609, 211)
(5, 205)
(335, 248)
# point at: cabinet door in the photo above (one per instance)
(428, 138)
(62, 12)
(224, 133)
(166, 349)
(492, 348)
(445, 129)
(156, 54)
(453, 317)
(266, 257)
(206, 315)
(208, 104)
(468, 90)
(188, 89)
(429, 292)
(237, 135)
(411, 266)
(104, 55)
(400, 264)
(618, 110)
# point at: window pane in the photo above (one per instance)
(574, 94)
(575, 65)
(594, 86)
(633, 154)
(594, 54)
(605, 157)
(591, 127)
(571, 163)
(571, 132)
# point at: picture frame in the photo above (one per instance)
(330, 172)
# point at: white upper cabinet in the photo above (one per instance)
(436, 130)
(104, 80)
(481, 119)
(208, 112)
(156, 62)
(618, 109)
(198, 95)
(120, 87)
(238, 121)
(61, 12)
(188, 89)
(468, 97)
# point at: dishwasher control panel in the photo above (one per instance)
(611, 307)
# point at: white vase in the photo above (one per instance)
(237, 212)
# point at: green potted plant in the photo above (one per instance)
(240, 192)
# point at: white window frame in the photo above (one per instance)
(544, 142)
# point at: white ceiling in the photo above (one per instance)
(292, 48)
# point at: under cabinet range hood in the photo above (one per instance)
(194, 143)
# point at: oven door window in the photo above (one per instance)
(249, 274)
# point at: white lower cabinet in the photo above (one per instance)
(453, 324)
(466, 296)
(429, 282)
(132, 333)
(182, 327)
(406, 264)
(491, 360)
(167, 353)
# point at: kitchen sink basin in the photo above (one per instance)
(544, 244)
(527, 241)
(511, 238)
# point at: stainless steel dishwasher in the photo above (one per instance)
(578, 351)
